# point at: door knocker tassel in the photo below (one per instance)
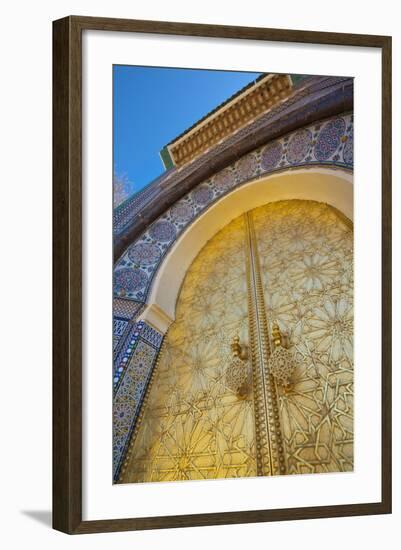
(281, 363)
(238, 373)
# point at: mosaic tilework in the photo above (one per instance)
(124, 211)
(128, 281)
(133, 368)
(151, 336)
(124, 354)
(123, 312)
(119, 328)
(181, 212)
(224, 180)
(328, 142)
(329, 139)
(126, 309)
(270, 156)
(162, 231)
(144, 253)
(348, 152)
(298, 146)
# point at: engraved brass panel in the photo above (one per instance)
(289, 262)
(306, 256)
(194, 426)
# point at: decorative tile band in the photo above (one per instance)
(328, 142)
(126, 351)
(126, 309)
(119, 328)
(132, 371)
(123, 312)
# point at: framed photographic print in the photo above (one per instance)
(222, 274)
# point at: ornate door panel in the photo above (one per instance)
(306, 258)
(193, 426)
(288, 262)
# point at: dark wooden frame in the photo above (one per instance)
(67, 279)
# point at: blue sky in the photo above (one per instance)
(154, 105)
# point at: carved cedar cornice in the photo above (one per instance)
(248, 105)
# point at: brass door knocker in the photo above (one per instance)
(238, 373)
(281, 363)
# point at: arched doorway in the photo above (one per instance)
(288, 262)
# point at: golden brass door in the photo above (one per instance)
(291, 263)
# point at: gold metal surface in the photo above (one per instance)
(194, 426)
(289, 262)
(306, 256)
(238, 373)
(270, 456)
(238, 349)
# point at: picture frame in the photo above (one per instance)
(67, 274)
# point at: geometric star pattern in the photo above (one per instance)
(193, 425)
(306, 255)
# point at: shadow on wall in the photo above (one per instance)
(40, 516)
